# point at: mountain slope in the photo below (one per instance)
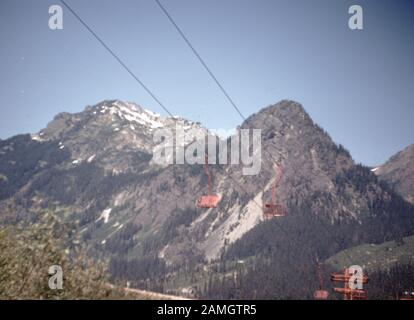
(376, 257)
(96, 168)
(398, 172)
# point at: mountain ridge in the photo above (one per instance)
(398, 171)
(95, 167)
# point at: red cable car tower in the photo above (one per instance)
(349, 293)
(210, 200)
(274, 209)
(320, 294)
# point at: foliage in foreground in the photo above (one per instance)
(388, 284)
(27, 253)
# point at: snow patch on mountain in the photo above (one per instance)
(37, 137)
(105, 215)
(133, 113)
(91, 158)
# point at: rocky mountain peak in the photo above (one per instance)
(286, 111)
(398, 172)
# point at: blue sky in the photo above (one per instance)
(358, 85)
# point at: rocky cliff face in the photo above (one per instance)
(398, 172)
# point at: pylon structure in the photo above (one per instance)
(275, 209)
(320, 294)
(348, 292)
(210, 200)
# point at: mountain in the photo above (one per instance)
(96, 169)
(374, 257)
(398, 172)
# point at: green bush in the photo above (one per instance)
(27, 252)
